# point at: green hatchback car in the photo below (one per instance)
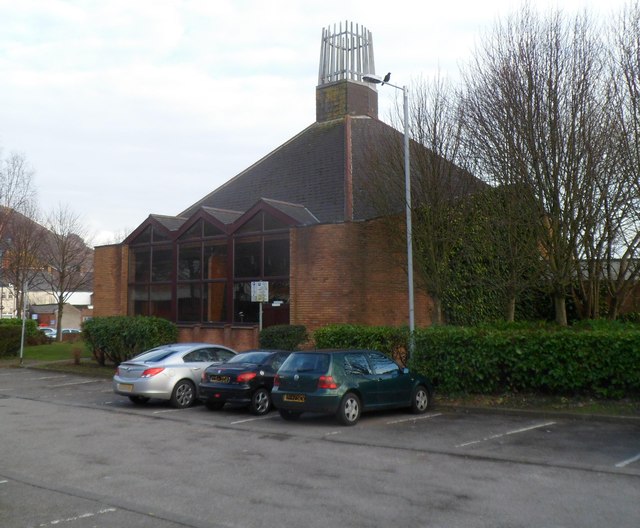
(346, 383)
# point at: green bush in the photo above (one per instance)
(119, 338)
(388, 340)
(283, 337)
(603, 362)
(11, 335)
(600, 359)
(631, 317)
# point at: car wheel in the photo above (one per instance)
(349, 410)
(260, 402)
(184, 394)
(420, 399)
(290, 416)
(214, 405)
(139, 400)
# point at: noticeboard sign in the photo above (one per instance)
(260, 291)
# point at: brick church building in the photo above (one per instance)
(299, 218)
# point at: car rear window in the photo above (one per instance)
(154, 355)
(307, 362)
(250, 357)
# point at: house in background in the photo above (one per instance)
(24, 267)
(299, 219)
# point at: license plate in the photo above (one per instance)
(220, 379)
(125, 387)
(296, 398)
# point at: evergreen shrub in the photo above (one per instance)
(10, 337)
(11, 330)
(386, 339)
(119, 338)
(603, 361)
(600, 358)
(283, 337)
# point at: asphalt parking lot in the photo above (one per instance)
(75, 454)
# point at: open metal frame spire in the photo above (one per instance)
(345, 53)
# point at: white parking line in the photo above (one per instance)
(167, 411)
(72, 383)
(249, 420)
(77, 517)
(423, 417)
(628, 461)
(516, 431)
(3, 481)
(45, 378)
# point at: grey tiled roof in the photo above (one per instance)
(307, 170)
(172, 223)
(308, 175)
(223, 215)
(296, 211)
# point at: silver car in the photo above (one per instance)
(169, 372)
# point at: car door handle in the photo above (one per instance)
(196, 368)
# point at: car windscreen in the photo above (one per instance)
(249, 357)
(306, 362)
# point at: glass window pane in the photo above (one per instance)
(276, 258)
(381, 364)
(356, 364)
(271, 223)
(215, 302)
(244, 311)
(189, 302)
(189, 261)
(212, 230)
(138, 300)
(253, 225)
(159, 235)
(161, 264)
(247, 259)
(195, 231)
(160, 301)
(224, 355)
(139, 264)
(279, 291)
(215, 258)
(144, 237)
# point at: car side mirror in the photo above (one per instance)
(405, 370)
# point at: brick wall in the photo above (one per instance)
(340, 273)
(347, 273)
(110, 280)
(239, 338)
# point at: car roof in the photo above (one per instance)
(189, 345)
(264, 350)
(334, 350)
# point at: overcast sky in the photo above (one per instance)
(125, 108)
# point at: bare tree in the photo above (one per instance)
(620, 255)
(21, 248)
(16, 188)
(532, 103)
(68, 258)
(438, 181)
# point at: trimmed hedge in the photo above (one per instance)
(283, 337)
(601, 359)
(119, 338)
(603, 362)
(386, 339)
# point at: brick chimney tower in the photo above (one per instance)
(346, 54)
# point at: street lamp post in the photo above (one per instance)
(370, 78)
